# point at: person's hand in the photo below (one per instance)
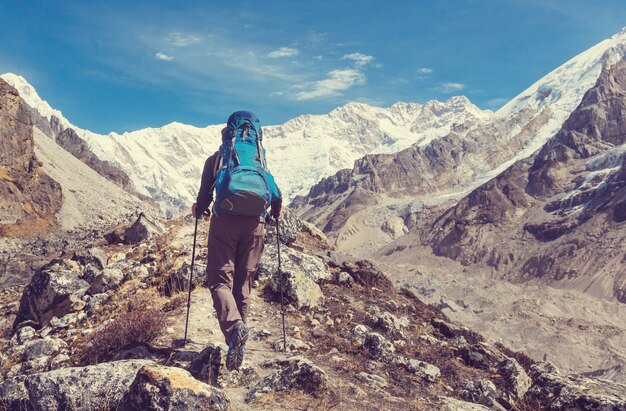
(194, 208)
(276, 211)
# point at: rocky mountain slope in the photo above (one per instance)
(29, 198)
(380, 198)
(166, 163)
(557, 217)
(101, 329)
(54, 191)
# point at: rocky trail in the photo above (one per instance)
(102, 328)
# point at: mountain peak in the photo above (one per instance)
(31, 97)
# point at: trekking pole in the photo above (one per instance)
(193, 257)
(280, 273)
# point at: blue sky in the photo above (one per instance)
(121, 66)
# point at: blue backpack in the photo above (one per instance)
(243, 184)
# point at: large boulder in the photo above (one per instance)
(142, 229)
(96, 387)
(292, 260)
(560, 392)
(295, 373)
(108, 279)
(290, 228)
(206, 365)
(298, 289)
(158, 388)
(516, 381)
(54, 291)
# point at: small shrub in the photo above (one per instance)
(128, 330)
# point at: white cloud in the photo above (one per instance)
(451, 87)
(425, 70)
(283, 52)
(163, 57)
(359, 58)
(338, 80)
(496, 102)
(183, 40)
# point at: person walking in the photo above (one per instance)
(244, 191)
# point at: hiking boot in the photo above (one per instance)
(236, 346)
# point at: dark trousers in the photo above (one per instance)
(235, 245)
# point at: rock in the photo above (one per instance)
(109, 279)
(543, 367)
(358, 334)
(299, 289)
(378, 347)
(427, 372)
(170, 388)
(290, 227)
(54, 291)
(45, 347)
(116, 236)
(479, 356)
(560, 392)
(388, 322)
(142, 229)
(450, 330)
(292, 261)
(93, 256)
(345, 279)
(293, 345)
(367, 273)
(206, 365)
(315, 233)
(96, 301)
(295, 373)
(516, 381)
(140, 272)
(482, 391)
(372, 379)
(23, 334)
(452, 404)
(99, 386)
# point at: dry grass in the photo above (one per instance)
(128, 330)
(4, 175)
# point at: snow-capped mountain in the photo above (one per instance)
(369, 205)
(166, 163)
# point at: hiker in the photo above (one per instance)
(244, 191)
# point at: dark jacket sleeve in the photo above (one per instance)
(205, 195)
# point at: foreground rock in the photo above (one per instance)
(559, 392)
(296, 373)
(169, 388)
(54, 291)
(101, 386)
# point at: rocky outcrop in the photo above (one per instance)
(54, 291)
(29, 199)
(553, 391)
(296, 373)
(101, 386)
(543, 217)
(158, 388)
(444, 164)
(142, 229)
(69, 140)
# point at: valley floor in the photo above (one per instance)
(578, 333)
